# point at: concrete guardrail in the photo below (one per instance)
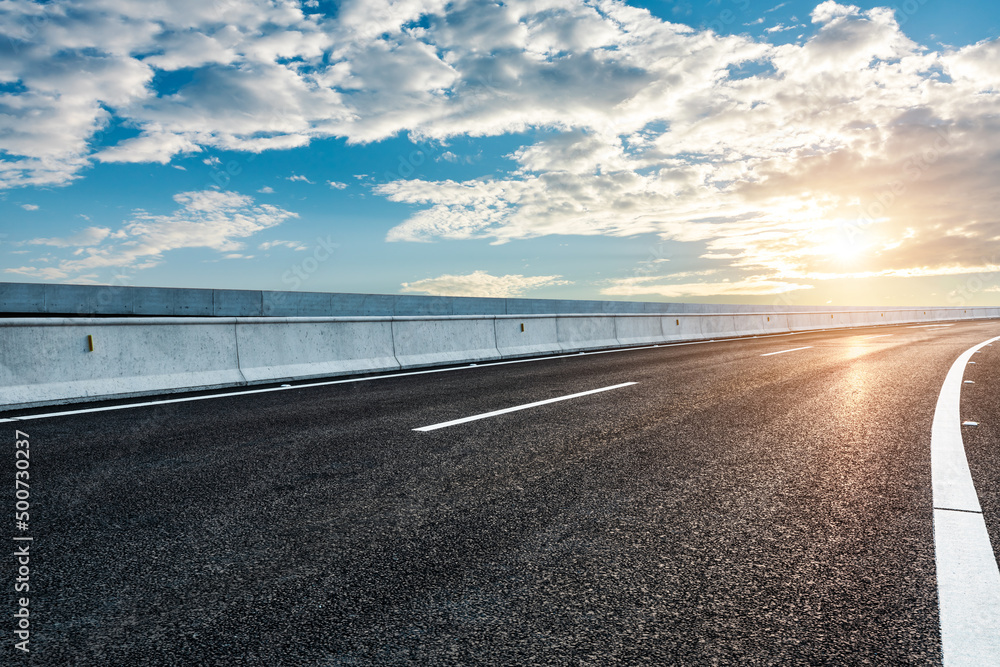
(46, 361)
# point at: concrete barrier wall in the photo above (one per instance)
(581, 332)
(750, 324)
(48, 361)
(525, 336)
(717, 326)
(281, 349)
(639, 330)
(119, 300)
(681, 327)
(449, 340)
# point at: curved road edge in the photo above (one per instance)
(967, 574)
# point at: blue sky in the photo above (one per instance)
(729, 151)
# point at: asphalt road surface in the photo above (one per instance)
(726, 508)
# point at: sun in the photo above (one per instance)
(837, 246)
(845, 250)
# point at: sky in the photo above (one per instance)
(732, 151)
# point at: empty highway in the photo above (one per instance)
(761, 501)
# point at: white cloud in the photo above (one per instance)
(29, 207)
(974, 66)
(337, 185)
(212, 219)
(854, 140)
(830, 10)
(40, 272)
(45, 130)
(480, 283)
(150, 147)
(264, 75)
(266, 190)
(646, 126)
(297, 177)
(90, 236)
(292, 245)
(79, 61)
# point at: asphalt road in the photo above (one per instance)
(727, 508)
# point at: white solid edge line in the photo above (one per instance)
(796, 349)
(463, 420)
(968, 590)
(952, 481)
(967, 574)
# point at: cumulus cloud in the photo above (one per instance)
(79, 66)
(150, 147)
(855, 156)
(40, 272)
(640, 125)
(213, 219)
(88, 237)
(29, 207)
(337, 185)
(480, 283)
(830, 10)
(262, 75)
(291, 245)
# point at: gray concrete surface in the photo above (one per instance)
(109, 300)
(46, 361)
